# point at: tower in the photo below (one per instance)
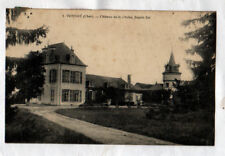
(171, 73)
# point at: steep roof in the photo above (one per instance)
(172, 60)
(61, 53)
(99, 81)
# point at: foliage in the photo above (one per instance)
(105, 93)
(115, 94)
(186, 98)
(13, 14)
(15, 35)
(30, 75)
(156, 96)
(24, 36)
(204, 70)
(11, 64)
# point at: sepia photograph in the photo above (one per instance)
(119, 77)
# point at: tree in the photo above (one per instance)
(30, 75)
(15, 36)
(10, 82)
(204, 70)
(21, 36)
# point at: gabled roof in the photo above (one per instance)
(61, 53)
(99, 81)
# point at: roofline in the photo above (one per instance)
(66, 64)
(106, 76)
(170, 80)
(177, 73)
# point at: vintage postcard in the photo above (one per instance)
(110, 77)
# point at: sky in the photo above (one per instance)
(115, 43)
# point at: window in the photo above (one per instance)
(72, 59)
(57, 58)
(66, 77)
(52, 94)
(72, 77)
(51, 58)
(68, 58)
(78, 77)
(75, 95)
(80, 93)
(65, 95)
(52, 76)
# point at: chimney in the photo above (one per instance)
(129, 81)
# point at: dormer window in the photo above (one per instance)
(106, 85)
(72, 59)
(51, 58)
(56, 58)
(67, 57)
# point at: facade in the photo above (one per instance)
(65, 76)
(171, 73)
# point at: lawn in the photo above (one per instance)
(26, 127)
(193, 128)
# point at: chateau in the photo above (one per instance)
(66, 81)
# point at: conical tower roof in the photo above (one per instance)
(172, 60)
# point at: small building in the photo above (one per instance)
(96, 86)
(65, 76)
(111, 90)
(171, 73)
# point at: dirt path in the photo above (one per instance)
(98, 133)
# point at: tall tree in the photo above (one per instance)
(30, 75)
(204, 70)
(15, 35)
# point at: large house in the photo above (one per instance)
(66, 81)
(65, 76)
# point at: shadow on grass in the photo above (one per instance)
(25, 127)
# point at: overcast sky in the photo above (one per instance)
(115, 46)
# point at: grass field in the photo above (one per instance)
(25, 127)
(193, 128)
